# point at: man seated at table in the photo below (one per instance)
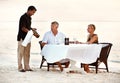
(55, 37)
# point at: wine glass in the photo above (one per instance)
(74, 40)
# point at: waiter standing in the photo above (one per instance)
(24, 27)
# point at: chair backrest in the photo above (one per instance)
(105, 51)
(40, 42)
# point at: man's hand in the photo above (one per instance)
(35, 33)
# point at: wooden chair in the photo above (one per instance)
(65, 64)
(103, 57)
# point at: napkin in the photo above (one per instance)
(27, 38)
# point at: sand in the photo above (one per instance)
(10, 74)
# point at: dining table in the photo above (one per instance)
(80, 53)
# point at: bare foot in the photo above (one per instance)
(59, 64)
(86, 68)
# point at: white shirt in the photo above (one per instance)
(50, 38)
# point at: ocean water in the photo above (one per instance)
(107, 32)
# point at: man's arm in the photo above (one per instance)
(23, 24)
(45, 39)
(43, 43)
(25, 29)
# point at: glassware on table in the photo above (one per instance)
(74, 40)
(66, 41)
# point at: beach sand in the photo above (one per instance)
(10, 74)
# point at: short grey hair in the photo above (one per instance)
(55, 22)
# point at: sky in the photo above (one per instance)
(62, 10)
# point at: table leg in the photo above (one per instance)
(74, 69)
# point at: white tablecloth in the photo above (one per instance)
(83, 53)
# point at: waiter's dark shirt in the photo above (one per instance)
(25, 21)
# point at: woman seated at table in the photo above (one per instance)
(92, 38)
(55, 37)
